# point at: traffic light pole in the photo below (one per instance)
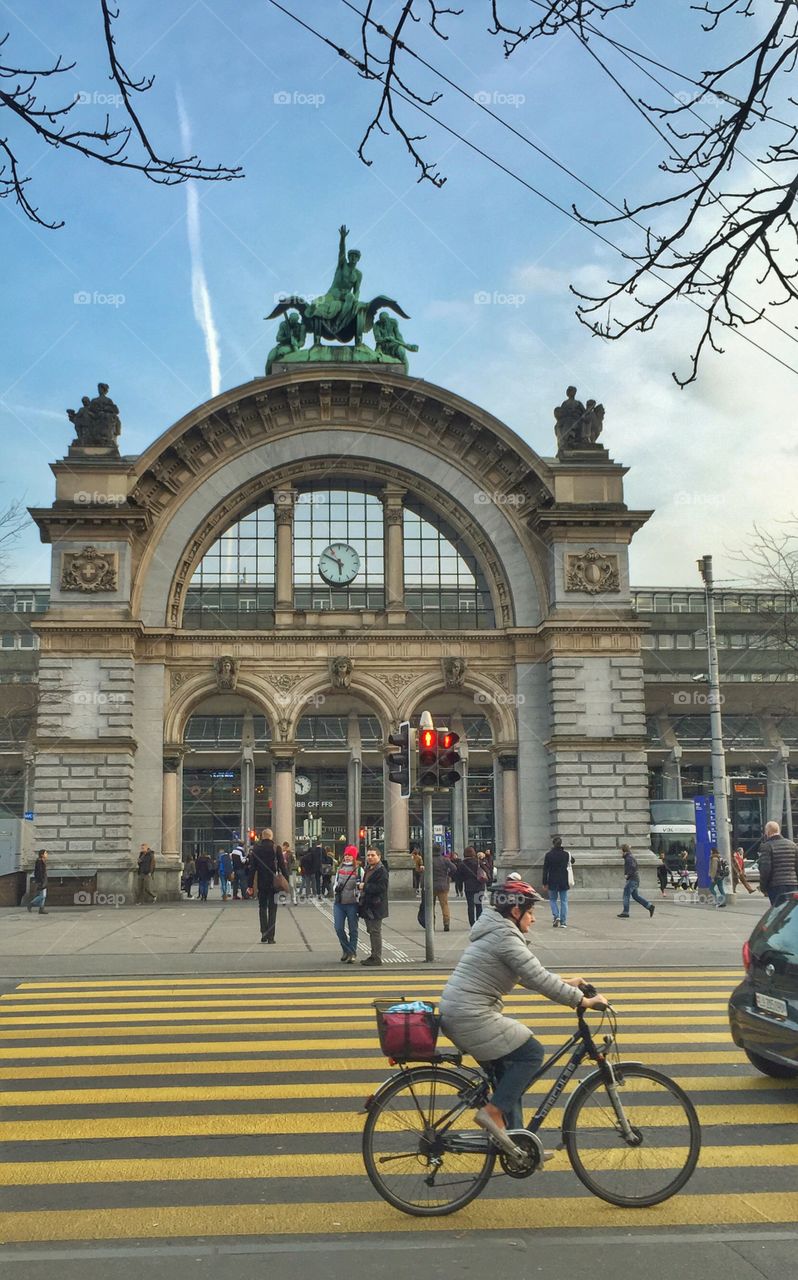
(429, 897)
(719, 783)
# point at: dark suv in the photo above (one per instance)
(763, 1009)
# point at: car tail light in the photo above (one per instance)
(746, 957)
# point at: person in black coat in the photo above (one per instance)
(267, 862)
(316, 858)
(474, 879)
(555, 879)
(374, 903)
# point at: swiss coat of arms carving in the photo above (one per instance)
(89, 570)
(593, 572)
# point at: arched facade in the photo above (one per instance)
(546, 678)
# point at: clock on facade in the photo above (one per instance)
(302, 784)
(339, 564)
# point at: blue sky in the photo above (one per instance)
(151, 260)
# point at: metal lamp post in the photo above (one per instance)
(719, 781)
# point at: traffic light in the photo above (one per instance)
(448, 758)
(428, 759)
(361, 843)
(401, 762)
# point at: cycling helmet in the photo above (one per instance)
(515, 892)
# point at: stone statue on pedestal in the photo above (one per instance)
(97, 424)
(578, 426)
(339, 316)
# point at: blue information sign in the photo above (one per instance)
(706, 836)
(29, 816)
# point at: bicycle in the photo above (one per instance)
(631, 1133)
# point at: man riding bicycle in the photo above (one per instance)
(497, 958)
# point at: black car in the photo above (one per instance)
(763, 1009)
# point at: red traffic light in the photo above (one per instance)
(429, 738)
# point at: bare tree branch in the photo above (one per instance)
(711, 238)
(23, 100)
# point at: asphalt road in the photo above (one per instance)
(199, 1126)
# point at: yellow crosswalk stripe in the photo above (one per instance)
(153, 1093)
(204, 1016)
(279, 1007)
(294, 1122)
(31, 1173)
(181, 1221)
(375, 1062)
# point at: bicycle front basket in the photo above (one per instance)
(407, 1033)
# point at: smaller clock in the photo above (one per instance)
(339, 564)
(302, 784)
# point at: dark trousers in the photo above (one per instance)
(473, 899)
(514, 1073)
(267, 909)
(240, 883)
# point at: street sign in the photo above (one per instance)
(29, 816)
(706, 836)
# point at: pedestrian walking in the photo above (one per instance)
(269, 879)
(145, 891)
(306, 874)
(662, 873)
(373, 907)
(37, 894)
(441, 879)
(225, 866)
(204, 872)
(474, 879)
(632, 887)
(345, 904)
(778, 865)
(290, 864)
(556, 878)
(316, 856)
(738, 871)
(189, 874)
(490, 866)
(327, 872)
(718, 871)
(457, 878)
(240, 870)
(418, 870)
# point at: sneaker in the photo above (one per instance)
(344, 957)
(623, 915)
(43, 912)
(563, 926)
(370, 960)
(555, 924)
(446, 928)
(350, 959)
(651, 908)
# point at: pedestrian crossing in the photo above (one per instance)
(211, 1107)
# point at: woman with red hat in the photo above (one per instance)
(345, 899)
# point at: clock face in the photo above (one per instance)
(339, 564)
(302, 784)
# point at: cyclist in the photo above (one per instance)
(497, 958)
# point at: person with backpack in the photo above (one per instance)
(632, 887)
(556, 867)
(718, 871)
(474, 879)
(240, 869)
(204, 866)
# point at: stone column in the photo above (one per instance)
(172, 775)
(393, 513)
(284, 500)
(283, 800)
(508, 763)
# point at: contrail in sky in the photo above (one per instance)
(200, 296)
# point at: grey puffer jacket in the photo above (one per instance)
(471, 1004)
(778, 864)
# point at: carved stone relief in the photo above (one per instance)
(89, 570)
(593, 572)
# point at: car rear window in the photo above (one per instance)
(778, 931)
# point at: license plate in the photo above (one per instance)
(769, 1004)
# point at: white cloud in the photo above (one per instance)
(200, 294)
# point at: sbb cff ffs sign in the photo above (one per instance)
(438, 758)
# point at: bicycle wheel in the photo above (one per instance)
(420, 1157)
(650, 1164)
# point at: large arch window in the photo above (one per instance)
(233, 585)
(324, 515)
(444, 587)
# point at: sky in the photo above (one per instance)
(162, 291)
